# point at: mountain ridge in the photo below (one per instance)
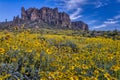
(52, 17)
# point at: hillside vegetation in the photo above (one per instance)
(48, 54)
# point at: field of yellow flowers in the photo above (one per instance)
(34, 55)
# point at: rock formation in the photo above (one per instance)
(49, 16)
(79, 25)
(16, 20)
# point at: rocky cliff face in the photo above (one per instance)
(49, 16)
(79, 25)
(16, 20)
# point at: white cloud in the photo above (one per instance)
(76, 15)
(100, 26)
(99, 4)
(110, 19)
(118, 0)
(109, 22)
(114, 22)
(73, 4)
(117, 17)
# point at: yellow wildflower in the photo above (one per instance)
(115, 68)
(13, 59)
(107, 76)
(2, 50)
(74, 78)
(85, 66)
(14, 47)
(49, 51)
(29, 50)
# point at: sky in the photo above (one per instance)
(98, 14)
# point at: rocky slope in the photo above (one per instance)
(79, 25)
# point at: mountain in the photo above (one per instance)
(45, 17)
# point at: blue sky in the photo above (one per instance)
(98, 14)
